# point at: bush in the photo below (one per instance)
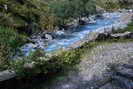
(34, 15)
(71, 57)
(26, 15)
(10, 40)
(114, 4)
(4, 56)
(39, 63)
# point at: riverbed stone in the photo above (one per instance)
(5, 75)
(123, 35)
(82, 22)
(48, 36)
(29, 65)
(103, 36)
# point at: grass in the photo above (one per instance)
(88, 47)
(42, 81)
(71, 57)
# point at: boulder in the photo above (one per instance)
(47, 36)
(60, 33)
(5, 75)
(92, 21)
(128, 35)
(85, 20)
(99, 16)
(82, 22)
(29, 65)
(125, 70)
(117, 76)
(65, 27)
(103, 36)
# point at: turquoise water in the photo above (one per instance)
(74, 36)
(79, 34)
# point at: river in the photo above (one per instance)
(66, 39)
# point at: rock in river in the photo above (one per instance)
(47, 36)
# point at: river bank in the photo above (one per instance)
(92, 71)
(66, 40)
(87, 39)
(125, 18)
(7, 75)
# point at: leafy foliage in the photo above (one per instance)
(32, 15)
(38, 62)
(71, 57)
(10, 40)
(115, 4)
(27, 14)
(4, 56)
(65, 10)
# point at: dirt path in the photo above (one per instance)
(90, 71)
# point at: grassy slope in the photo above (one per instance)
(66, 57)
(47, 82)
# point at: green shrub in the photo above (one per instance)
(70, 57)
(114, 4)
(41, 63)
(38, 62)
(17, 66)
(42, 14)
(10, 40)
(130, 27)
(4, 56)
(34, 64)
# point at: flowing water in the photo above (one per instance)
(66, 39)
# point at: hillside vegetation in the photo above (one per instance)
(19, 19)
(32, 15)
(22, 18)
(115, 4)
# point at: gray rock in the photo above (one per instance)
(115, 79)
(123, 82)
(123, 35)
(48, 37)
(82, 22)
(103, 36)
(5, 75)
(29, 65)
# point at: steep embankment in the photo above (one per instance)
(92, 71)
